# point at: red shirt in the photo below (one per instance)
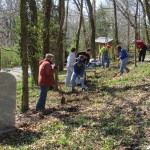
(46, 73)
(139, 44)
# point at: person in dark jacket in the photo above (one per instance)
(86, 58)
(86, 54)
(78, 72)
(45, 79)
(123, 56)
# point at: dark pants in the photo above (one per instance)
(42, 98)
(142, 54)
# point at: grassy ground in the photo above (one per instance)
(112, 114)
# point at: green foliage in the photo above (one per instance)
(111, 114)
(54, 34)
(103, 23)
(62, 140)
(10, 57)
(71, 46)
(16, 30)
(108, 144)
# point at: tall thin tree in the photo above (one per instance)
(128, 10)
(32, 41)
(147, 5)
(66, 21)
(47, 5)
(92, 23)
(116, 23)
(136, 31)
(80, 9)
(24, 55)
(145, 22)
(59, 37)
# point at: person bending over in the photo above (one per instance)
(78, 72)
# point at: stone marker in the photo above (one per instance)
(7, 102)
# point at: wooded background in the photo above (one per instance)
(31, 28)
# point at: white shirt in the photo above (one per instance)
(71, 59)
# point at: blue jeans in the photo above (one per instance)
(68, 77)
(42, 98)
(123, 66)
(73, 78)
(103, 60)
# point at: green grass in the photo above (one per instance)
(111, 114)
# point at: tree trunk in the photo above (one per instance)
(66, 23)
(136, 32)
(92, 23)
(24, 56)
(60, 53)
(80, 8)
(145, 24)
(147, 5)
(128, 28)
(46, 31)
(86, 41)
(116, 26)
(0, 59)
(59, 38)
(32, 46)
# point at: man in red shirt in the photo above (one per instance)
(45, 79)
(141, 49)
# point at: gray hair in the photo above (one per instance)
(49, 55)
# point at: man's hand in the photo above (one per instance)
(118, 58)
(81, 78)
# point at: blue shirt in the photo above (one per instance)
(123, 54)
(79, 68)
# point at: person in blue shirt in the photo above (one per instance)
(123, 56)
(78, 72)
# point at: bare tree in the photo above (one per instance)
(147, 5)
(46, 31)
(136, 32)
(145, 22)
(83, 23)
(92, 23)
(116, 24)
(24, 55)
(80, 9)
(59, 37)
(8, 15)
(128, 37)
(33, 39)
(66, 21)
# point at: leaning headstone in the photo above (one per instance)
(7, 102)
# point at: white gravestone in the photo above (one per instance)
(7, 102)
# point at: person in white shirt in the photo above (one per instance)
(71, 59)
